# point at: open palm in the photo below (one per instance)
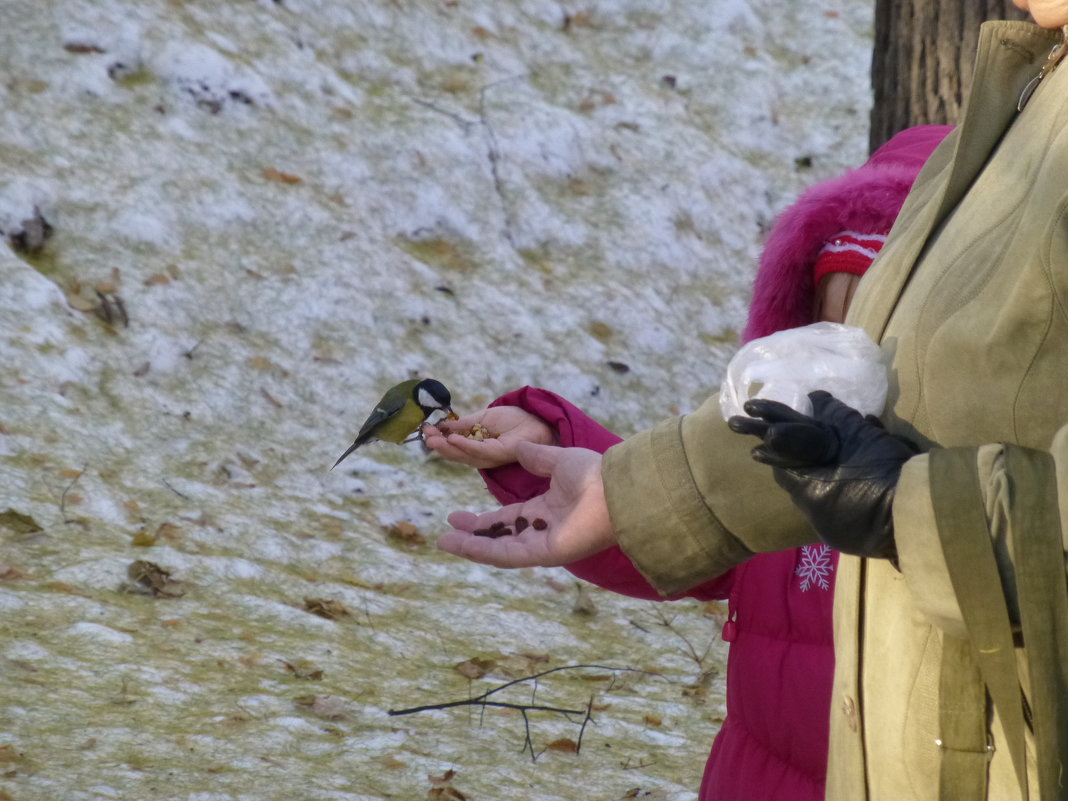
(507, 426)
(569, 522)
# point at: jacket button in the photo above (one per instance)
(849, 709)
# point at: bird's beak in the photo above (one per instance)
(346, 453)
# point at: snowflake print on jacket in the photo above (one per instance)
(815, 567)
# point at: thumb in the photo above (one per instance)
(540, 460)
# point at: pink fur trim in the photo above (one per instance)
(865, 200)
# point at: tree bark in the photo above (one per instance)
(923, 59)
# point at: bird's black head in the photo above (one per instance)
(431, 396)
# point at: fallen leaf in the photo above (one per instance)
(62, 586)
(271, 399)
(11, 573)
(83, 47)
(271, 174)
(653, 720)
(303, 669)
(405, 532)
(474, 668)
(326, 607)
(446, 792)
(392, 763)
(169, 531)
(143, 539)
(18, 523)
(584, 605)
(443, 778)
(326, 706)
(151, 579)
(565, 744)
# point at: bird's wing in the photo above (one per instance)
(379, 415)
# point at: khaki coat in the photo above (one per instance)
(969, 301)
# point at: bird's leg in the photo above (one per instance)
(417, 436)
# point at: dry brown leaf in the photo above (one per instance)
(18, 523)
(63, 586)
(169, 531)
(443, 778)
(271, 399)
(405, 532)
(474, 668)
(392, 763)
(303, 669)
(584, 605)
(11, 573)
(565, 744)
(83, 47)
(328, 706)
(151, 579)
(653, 720)
(326, 607)
(271, 174)
(143, 539)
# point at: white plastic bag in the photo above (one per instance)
(790, 364)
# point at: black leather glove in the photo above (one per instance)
(840, 469)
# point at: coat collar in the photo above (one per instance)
(1010, 54)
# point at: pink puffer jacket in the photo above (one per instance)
(773, 744)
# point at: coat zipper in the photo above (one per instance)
(1056, 55)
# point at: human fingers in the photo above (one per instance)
(502, 538)
(482, 454)
(441, 445)
(507, 552)
(465, 423)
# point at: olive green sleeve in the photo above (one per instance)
(688, 502)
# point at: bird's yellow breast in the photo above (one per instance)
(401, 425)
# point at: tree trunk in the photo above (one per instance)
(923, 59)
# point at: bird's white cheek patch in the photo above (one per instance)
(427, 400)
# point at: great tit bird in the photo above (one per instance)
(401, 412)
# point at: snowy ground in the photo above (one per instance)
(262, 214)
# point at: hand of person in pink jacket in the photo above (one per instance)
(510, 425)
(569, 522)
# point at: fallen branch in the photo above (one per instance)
(524, 709)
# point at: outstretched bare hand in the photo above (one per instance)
(569, 522)
(507, 426)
